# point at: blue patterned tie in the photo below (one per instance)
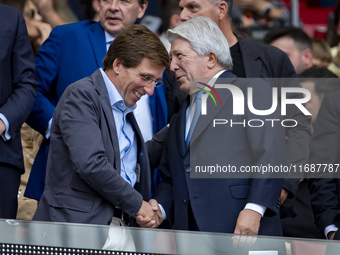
(195, 117)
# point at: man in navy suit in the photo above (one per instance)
(17, 92)
(72, 52)
(241, 205)
(257, 60)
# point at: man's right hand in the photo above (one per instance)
(149, 219)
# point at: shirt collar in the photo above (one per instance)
(116, 99)
(108, 38)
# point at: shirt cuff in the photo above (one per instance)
(330, 228)
(163, 212)
(48, 131)
(256, 207)
(5, 136)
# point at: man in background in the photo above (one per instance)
(296, 43)
(17, 92)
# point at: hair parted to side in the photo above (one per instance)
(133, 45)
(204, 36)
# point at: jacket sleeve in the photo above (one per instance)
(325, 149)
(21, 98)
(47, 66)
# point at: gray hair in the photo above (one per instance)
(204, 36)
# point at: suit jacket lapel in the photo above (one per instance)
(250, 56)
(180, 126)
(212, 110)
(97, 39)
(99, 85)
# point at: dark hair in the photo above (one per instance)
(168, 8)
(325, 81)
(133, 45)
(302, 40)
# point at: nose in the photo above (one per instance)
(184, 15)
(37, 16)
(149, 89)
(173, 65)
(114, 5)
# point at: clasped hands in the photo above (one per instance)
(149, 215)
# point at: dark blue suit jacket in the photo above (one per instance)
(17, 81)
(216, 203)
(71, 52)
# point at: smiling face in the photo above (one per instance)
(117, 15)
(130, 82)
(187, 64)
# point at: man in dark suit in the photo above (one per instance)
(17, 92)
(325, 149)
(98, 165)
(257, 60)
(220, 204)
(72, 52)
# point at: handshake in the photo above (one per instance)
(149, 215)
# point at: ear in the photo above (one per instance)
(117, 66)
(307, 57)
(222, 10)
(212, 60)
(142, 9)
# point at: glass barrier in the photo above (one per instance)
(31, 237)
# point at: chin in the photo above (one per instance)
(185, 87)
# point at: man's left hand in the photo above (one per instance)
(248, 222)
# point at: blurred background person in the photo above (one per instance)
(296, 43)
(55, 12)
(321, 53)
(169, 14)
(38, 30)
(335, 42)
(254, 16)
(320, 82)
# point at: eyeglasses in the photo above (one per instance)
(31, 13)
(148, 79)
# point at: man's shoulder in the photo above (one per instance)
(84, 86)
(9, 19)
(8, 11)
(77, 27)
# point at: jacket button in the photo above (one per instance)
(188, 169)
(185, 201)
